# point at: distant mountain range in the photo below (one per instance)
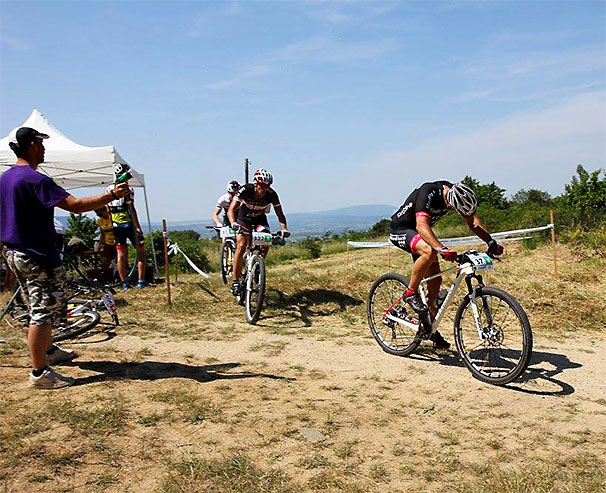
(302, 224)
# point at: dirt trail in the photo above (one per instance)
(337, 414)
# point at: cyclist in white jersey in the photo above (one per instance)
(223, 203)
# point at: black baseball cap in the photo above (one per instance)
(25, 135)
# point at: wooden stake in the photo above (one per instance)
(553, 242)
(166, 264)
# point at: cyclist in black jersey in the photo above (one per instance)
(248, 212)
(410, 229)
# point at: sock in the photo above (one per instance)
(37, 373)
(409, 292)
(52, 349)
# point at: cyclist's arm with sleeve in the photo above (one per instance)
(478, 228)
(133, 214)
(279, 212)
(232, 212)
(422, 218)
(216, 211)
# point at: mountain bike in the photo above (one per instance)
(253, 274)
(228, 249)
(492, 333)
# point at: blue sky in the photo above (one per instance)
(345, 102)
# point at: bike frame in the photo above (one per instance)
(465, 271)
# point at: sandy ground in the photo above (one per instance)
(331, 414)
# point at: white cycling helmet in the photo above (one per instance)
(233, 187)
(263, 176)
(463, 199)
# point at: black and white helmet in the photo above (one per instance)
(233, 187)
(263, 176)
(120, 168)
(463, 199)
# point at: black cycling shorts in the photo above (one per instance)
(123, 233)
(406, 239)
(253, 223)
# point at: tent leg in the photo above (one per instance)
(151, 233)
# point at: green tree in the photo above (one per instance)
(380, 228)
(584, 199)
(313, 245)
(82, 227)
(531, 195)
(488, 195)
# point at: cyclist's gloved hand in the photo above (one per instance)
(236, 227)
(448, 254)
(494, 248)
(284, 233)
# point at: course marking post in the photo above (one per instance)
(166, 264)
(553, 242)
(246, 163)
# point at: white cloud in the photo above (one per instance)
(317, 49)
(251, 72)
(205, 22)
(333, 50)
(533, 150)
(16, 43)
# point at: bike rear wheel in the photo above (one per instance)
(503, 352)
(227, 257)
(255, 289)
(386, 296)
(77, 323)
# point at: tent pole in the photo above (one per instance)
(151, 233)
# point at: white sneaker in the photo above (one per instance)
(49, 379)
(60, 355)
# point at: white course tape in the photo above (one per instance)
(463, 240)
(176, 249)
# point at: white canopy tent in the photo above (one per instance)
(73, 165)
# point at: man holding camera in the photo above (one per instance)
(27, 202)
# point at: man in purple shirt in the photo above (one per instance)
(27, 202)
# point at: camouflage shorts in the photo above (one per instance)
(43, 288)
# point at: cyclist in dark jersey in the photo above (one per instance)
(410, 229)
(248, 212)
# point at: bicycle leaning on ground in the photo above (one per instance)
(491, 329)
(84, 303)
(253, 274)
(228, 249)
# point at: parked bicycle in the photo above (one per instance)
(253, 275)
(491, 329)
(228, 249)
(85, 301)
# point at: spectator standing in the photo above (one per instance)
(27, 202)
(126, 227)
(107, 242)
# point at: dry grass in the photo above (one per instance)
(190, 398)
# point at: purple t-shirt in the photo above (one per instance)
(27, 202)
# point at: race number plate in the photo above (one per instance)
(261, 239)
(226, 232)
(481, 261)
(110, 303)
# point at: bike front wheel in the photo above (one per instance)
(77, 323)
(227, 258)
(386, 297)
(500, 351)
(255, 289)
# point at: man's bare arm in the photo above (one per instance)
(86, 204)
(427, 233)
